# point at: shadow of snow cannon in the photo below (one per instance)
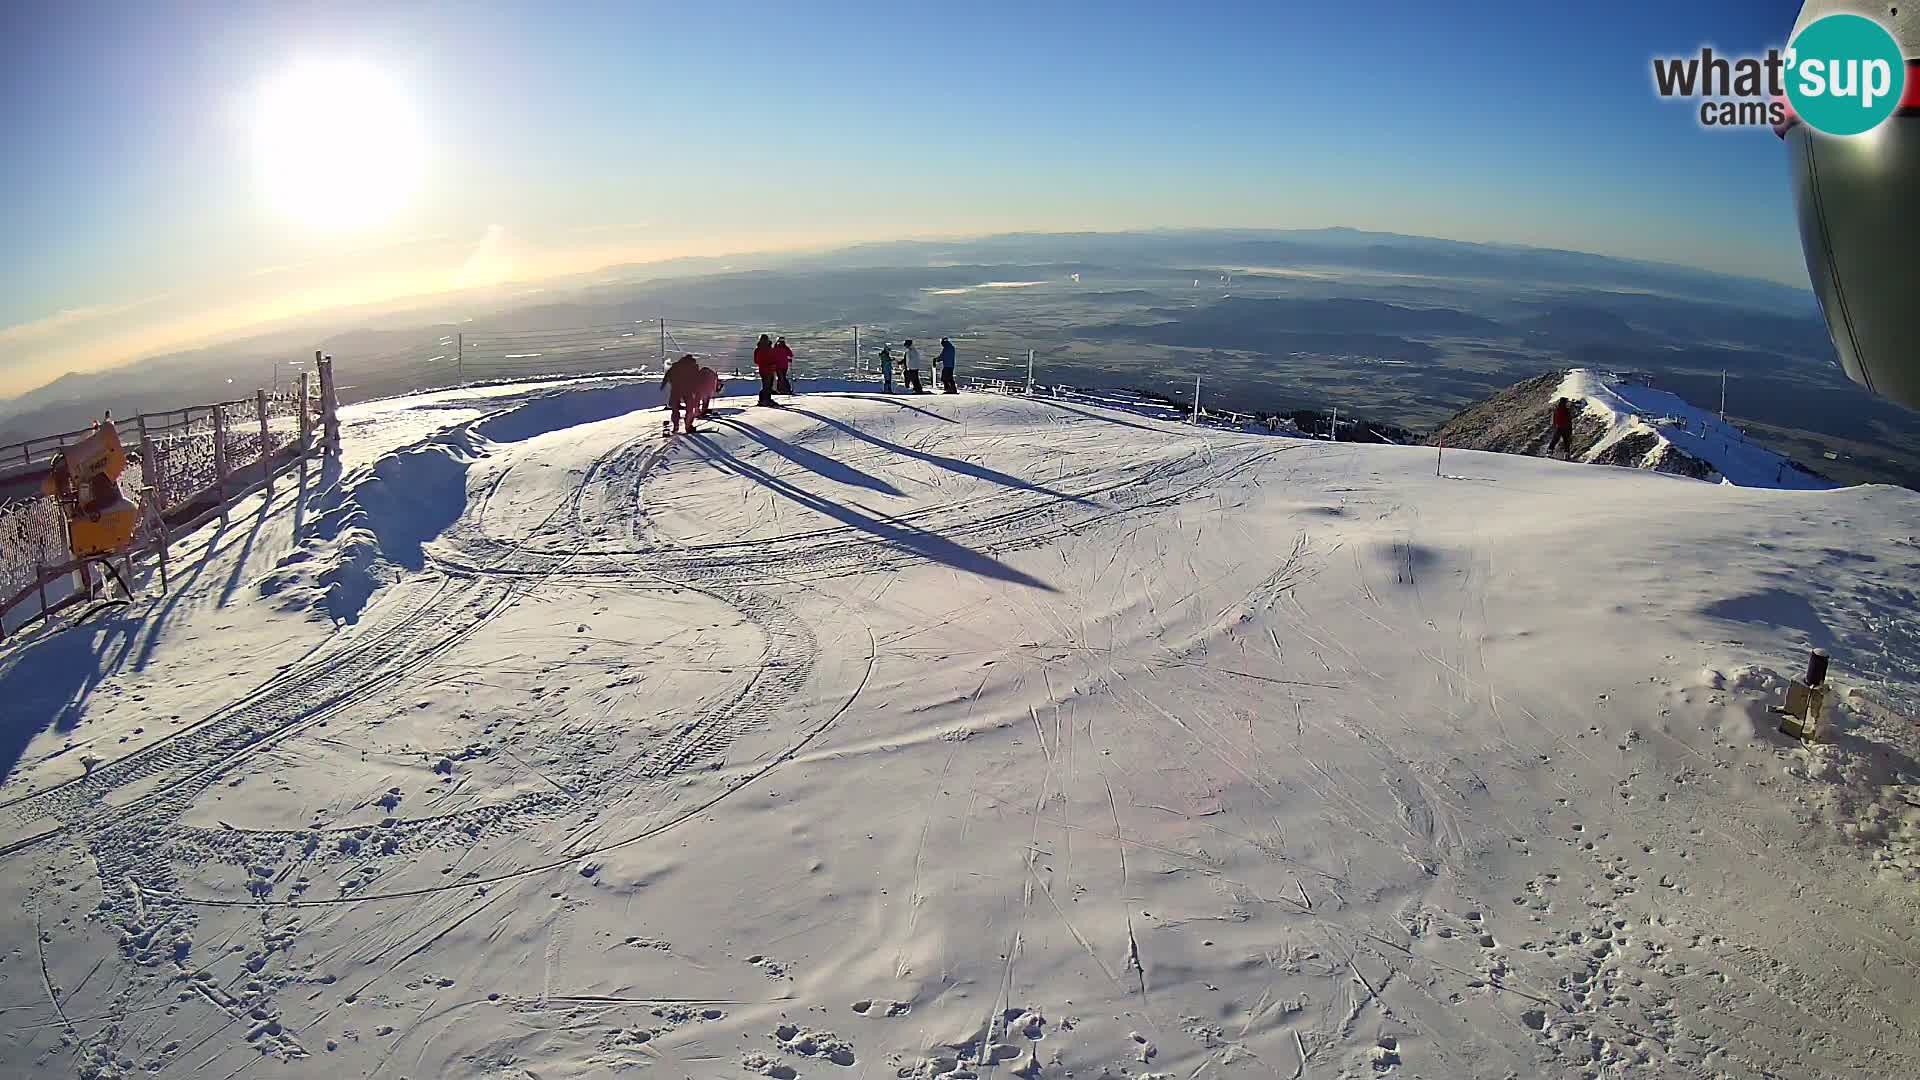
(1858, 202)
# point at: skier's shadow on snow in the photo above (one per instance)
(810, 460)
(882, 398)
(929, 545)
(964, 468)
(1103, 419)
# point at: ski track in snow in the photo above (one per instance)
(1034, 746)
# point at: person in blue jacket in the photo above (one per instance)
(946, 366)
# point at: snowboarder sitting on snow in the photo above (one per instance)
(783, 355)
(768, 364)
(1562, 427)
(682, 384)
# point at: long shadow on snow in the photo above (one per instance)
(810, 460)
(158, 621)
(328, 475)
(964, 468)
(885, 400)
(932, 546)
(269, 507)
(1775, 608)
(46, 683)
(1096, 416)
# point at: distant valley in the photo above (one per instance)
(1404, 329)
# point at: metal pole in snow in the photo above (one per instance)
(1723, 395)
(306, 417)
(859, 361)
(663, 342)
(1029, 372)
(1436, 455)
(1333, 426)
(460, 356)
(1196, 399)
(266, 440)
(220, 457)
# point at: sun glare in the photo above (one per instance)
(338, 145)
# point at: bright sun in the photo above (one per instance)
(339, 145)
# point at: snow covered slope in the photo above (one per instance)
(967, 736)
(1620, 422)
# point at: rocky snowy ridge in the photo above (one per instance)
(1618, 421)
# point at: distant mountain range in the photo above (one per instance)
(1403, 328)
(613, 290)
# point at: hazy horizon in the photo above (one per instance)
(185, 174)
(212, 329)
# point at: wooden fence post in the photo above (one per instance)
(149, 469)
(162, 542)
(306, 417)
(266, 441)
(329, 407)
(220, 458)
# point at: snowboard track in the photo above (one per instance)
(826, 553)
(126, 814)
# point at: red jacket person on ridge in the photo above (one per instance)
(768, 362)
(1562, 428)
(783, 357)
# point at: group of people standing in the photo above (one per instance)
(691, 386)
(910, 364)
(773, 359)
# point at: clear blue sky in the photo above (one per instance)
(132, 203)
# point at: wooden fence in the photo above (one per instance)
(185, 466)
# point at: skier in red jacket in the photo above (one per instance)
(783, 355)
(1562, 428)
(768, 363)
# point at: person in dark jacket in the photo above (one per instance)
(783, 355)
(886, 369)
(682, 384)
(768, 365)
(1562, 428)
(946, 360)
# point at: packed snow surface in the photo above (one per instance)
(968, 736)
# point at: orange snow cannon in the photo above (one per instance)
(85, 480)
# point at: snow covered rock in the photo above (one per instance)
(1623, 423)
